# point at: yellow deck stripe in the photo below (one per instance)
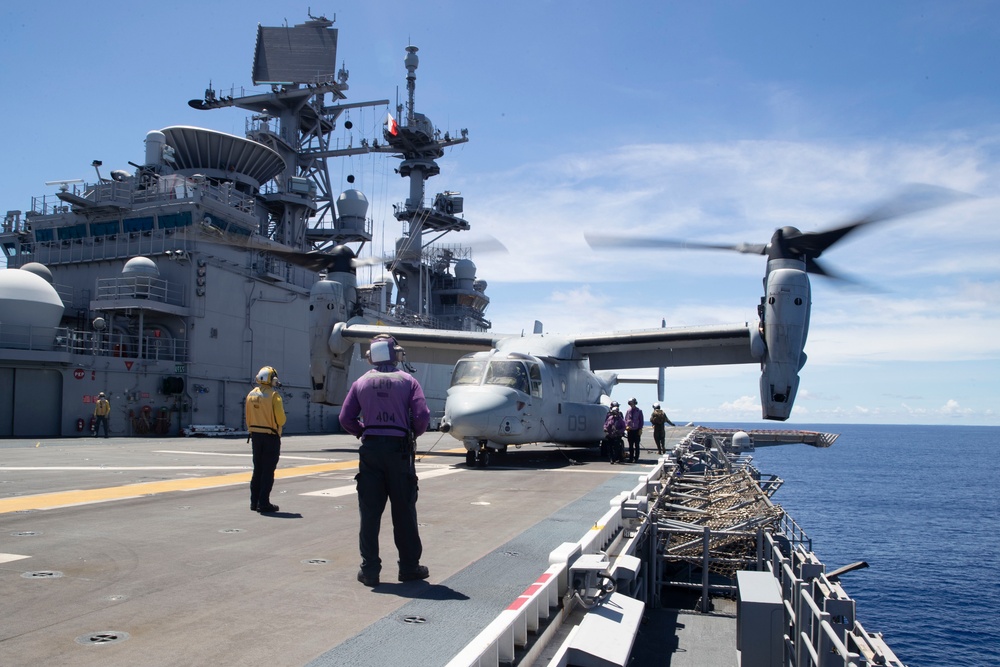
(44, 501)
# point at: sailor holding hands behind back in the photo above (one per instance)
(386, 408)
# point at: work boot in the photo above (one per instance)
(267, 508)
(416, 574)
(370, 580)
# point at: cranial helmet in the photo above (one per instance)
(384, 350)
(267, 376)
(614, 405)
(656, 406)
(632, 401)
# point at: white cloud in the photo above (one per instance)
(953, 409)
(742, 405)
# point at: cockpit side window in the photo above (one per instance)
(467, 372)
(535, 375)
(508, 374)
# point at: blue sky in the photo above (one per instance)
(715, 121)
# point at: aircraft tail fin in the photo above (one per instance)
(609, 380)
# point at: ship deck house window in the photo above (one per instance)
(138, 224)
(104, 228)
(174, 220)
(72, 232)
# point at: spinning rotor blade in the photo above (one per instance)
(597, 241)
(317, 260)
(313, 260)
(789, 242)
(480, 246)
(913, 199)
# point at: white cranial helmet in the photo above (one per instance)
(267, 376)
(384, 350)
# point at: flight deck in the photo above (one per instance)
(132, 551)
(129, 551)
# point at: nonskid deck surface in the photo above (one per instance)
(144, 551)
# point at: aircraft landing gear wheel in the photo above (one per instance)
(479, 457)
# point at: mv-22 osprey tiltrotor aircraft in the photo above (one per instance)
(520, 389)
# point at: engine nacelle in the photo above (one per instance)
(785, 316)
(327, 368)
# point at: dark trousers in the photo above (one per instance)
(660, 438)
(266, 451)
(386, 472)
(633, 443)
(613, 447)
(97, 425)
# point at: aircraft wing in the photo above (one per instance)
(676, 346)
(429, 346)
(640, 348)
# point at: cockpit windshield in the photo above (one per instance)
(468, 371)
(508, 374)
(525, 376)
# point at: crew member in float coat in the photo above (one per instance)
(658, 418)
(265, 418)
(386, 408)
(101, 412)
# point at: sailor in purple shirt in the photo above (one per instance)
(634, 421)
(386, 408)
(614, 427)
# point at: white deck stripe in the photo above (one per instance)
(428, 472)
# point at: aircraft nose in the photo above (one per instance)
(476, 413)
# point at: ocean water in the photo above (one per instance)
(919, 504)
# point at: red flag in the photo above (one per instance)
(393, 126)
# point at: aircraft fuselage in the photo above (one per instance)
(508, 397)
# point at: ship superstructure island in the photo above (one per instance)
(168, 285)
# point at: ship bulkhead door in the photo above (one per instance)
(6, 402)
(30, 403)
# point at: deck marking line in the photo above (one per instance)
(8, 558)
(350, 489)
(529, 592)
(119, 468)
(283, 457)
(44, 501)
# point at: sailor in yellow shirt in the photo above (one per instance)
(265, 417)
(101, 412)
